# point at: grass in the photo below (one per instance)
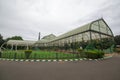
(38, 55)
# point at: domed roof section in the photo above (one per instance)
(21, 42)
(49, 37)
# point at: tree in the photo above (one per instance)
(117, 39)
(14, 38)
(66, 46)
(1, 40)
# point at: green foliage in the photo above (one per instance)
(66, 46)
(27, 53)
(37, 55)
(94, 54)
(117, 39)
(1, 40)
(1, 37)
(0, 54)
(80, 50)
(14, 38)
(81, 53)
(117, 50)
(102, 44)
(106, 43)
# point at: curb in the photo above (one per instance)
(54, 60)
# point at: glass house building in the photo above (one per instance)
(95, 30)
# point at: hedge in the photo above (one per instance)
(92, 54)
(27, 53)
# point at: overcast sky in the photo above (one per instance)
(27, 18)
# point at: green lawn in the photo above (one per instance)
(38, 55)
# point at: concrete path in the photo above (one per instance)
(108, 69)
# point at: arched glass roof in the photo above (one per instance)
(21, 42)
(97, 26)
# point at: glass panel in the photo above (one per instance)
(86, 36)
(104, 28)
(95, 35)
(95, 26)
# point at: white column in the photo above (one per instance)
(12, 47)
(16, 47)
(27, 47)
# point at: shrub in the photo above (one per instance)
(81, 52)
(94, 54)
(117, 50)
(0, 54)
(27, 53)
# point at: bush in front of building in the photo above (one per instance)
(117, 50)
(81, 52)
(27, 53)
(94, 54)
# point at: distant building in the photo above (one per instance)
(44, 41)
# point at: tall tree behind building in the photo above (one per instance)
(15, 38)
(117, 39)
(1, 40)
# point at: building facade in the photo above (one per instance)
(95, 30)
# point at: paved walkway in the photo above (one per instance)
(108, 69)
